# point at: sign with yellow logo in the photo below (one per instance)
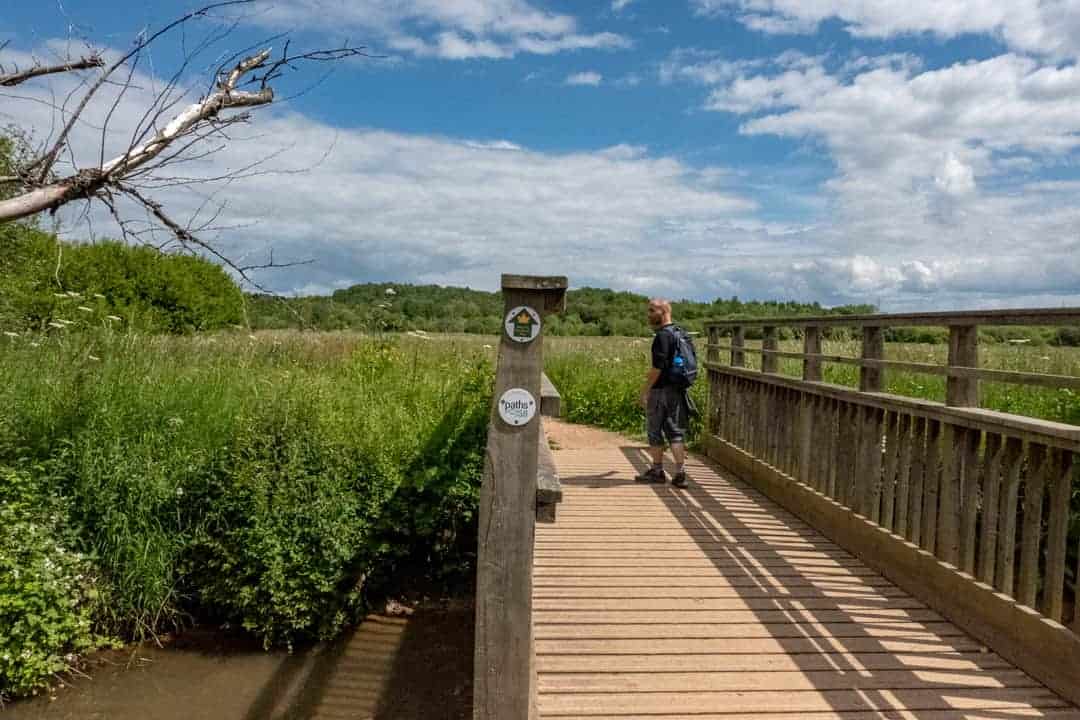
(522, 324)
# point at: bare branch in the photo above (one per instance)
(84, 63)
(87, 181)
(49, 158)
(189, 240)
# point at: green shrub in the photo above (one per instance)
(48, 593)
(260, 482)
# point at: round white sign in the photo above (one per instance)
(522, 324)
(517, 407)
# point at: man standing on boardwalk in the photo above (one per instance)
(666, 411)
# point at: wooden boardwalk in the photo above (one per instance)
(650, 602)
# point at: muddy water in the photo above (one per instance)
(392, 668)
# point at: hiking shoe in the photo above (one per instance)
(652, 475)
(679, 480)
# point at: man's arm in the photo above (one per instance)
(650, 380)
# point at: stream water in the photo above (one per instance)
(392, 668)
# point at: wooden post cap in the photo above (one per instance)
(553, 288)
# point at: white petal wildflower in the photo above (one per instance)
(85, 309)
(112, 317)
(93, 357)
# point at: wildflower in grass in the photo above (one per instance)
(72, 293)
(93, 357)
(99, 296)
(112, 317)
(11, 334)
(85, 309)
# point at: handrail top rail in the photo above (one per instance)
(1020, 316)
(1048, 432)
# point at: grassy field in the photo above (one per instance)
(600, 377)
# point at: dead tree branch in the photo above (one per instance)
(20, 76)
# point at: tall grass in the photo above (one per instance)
(600, 378)
(261, 480)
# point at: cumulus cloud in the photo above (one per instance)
(1042, 27)
(926, 169)
(448, 29)
(911, 219)
(584, 78)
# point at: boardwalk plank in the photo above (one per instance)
(715, 603)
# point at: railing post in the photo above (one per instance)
(504, 685)
(711, 353)
(811, 369)
(963, 352)
(738, 340)
(771, 341)
(872, 379)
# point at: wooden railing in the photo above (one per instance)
(520, 486)
(986, 494)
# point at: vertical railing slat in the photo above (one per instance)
(918, 480)
(1034, 491)
(990, 505)
(1006, 551)
(903, 477)
(970, 501)
(889, 476)
(931, 481)
(948, 543)
(1057, 536)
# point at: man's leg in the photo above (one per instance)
(654, 422)
(676, 431)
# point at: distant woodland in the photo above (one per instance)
(49, 285)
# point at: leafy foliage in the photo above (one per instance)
(265, 483)
(44, 280)
(48, 593)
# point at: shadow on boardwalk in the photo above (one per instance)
(716, 602)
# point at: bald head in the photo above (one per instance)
(659, 312)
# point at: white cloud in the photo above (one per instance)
(910, 219)
(1042, 27)
(584, 78)
(620, 5)
(910, 214)
(449, 29)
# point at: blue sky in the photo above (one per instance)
(914, 154)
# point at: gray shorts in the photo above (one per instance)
(666, 416)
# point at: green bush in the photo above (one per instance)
(260, 482)
(48, 593)
(44, 280)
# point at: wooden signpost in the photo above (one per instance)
(504, 676)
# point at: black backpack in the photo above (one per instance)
(683, 369)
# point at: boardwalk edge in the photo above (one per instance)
(1045, 649)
